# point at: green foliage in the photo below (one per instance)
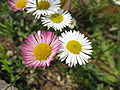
(8, 67)
(98, 19)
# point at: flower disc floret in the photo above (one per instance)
(43, 5)
(74, 47)
(72, 23)
(56, 18)
(21, 3)
(42, 51)
(17, 4)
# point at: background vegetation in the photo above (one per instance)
(97, 19)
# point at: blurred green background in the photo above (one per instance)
(97, 19)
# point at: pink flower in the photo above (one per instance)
(17, 4)
(40, 49)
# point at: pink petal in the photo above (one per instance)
(27, 57)
(54, 42)
(57, 45)
(48, 63)
(27, 46)
(49, 37)
(37, 36)
(30, 43)
(37, 64)
(44, 36)
(26, 49)
(40, 64)
(30, 59)
(32, 39)
(14, 1)
(27, 53)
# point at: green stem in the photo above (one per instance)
(37, 2)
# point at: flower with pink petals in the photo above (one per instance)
(17, 4)
(39, 49)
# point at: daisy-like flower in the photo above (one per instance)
(117, 2)
(42, 7)
(75, 48)
(39, 49)
(17, 4)
(58, 20)
(72, 23)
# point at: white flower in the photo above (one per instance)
(58, 20)
(72, 23)
(42, 7)
(117, 2)
(75, 48)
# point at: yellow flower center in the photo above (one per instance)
(43, 5)
(74, 47)
(21, 3)
(56, 18)
(71, 22)
(42, 51)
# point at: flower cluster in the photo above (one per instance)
(41, 47)
(48, 10)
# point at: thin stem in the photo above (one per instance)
(37, 2)
(8, 86)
